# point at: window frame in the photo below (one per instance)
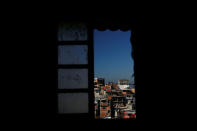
(92, 24)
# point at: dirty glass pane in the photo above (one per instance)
(72, 78)
(72, 32)
(73, 102)
(73, 54)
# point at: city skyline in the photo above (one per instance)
(111, 81)
(112, 58)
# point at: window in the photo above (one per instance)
(74, 70)
(114, 66)
(75, 67)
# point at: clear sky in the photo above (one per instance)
(112, 55)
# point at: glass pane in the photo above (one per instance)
(72, 78)
(73, 54)
(72, 32)
(73, 102)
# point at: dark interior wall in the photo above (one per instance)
(151, 53)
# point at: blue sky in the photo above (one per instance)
(112, 55)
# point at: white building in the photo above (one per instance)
(123, 87)
(123, 84)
